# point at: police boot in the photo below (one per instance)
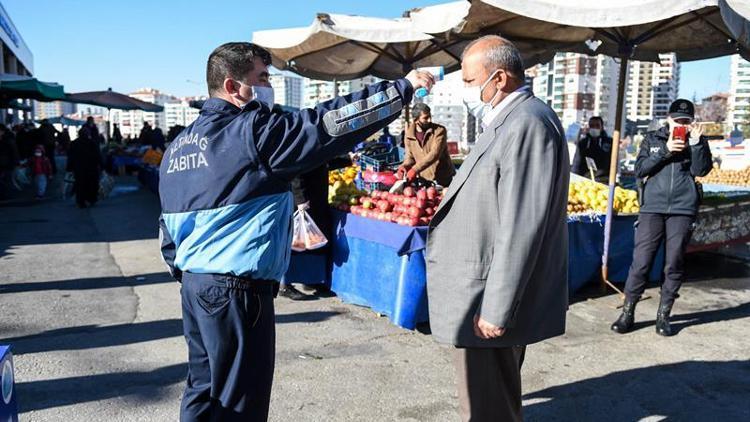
(625, 322)
(663, 328)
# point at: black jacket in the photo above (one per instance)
(670, 177)
(600, 150)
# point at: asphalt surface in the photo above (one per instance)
(94, 322)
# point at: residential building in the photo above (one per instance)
(52, 109)
(651, 88)
(739, 93)
(15, 59)
(131, 121)
(180, 113)
(316, 91)
(287, 89)
(446, 102)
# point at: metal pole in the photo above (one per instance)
(613, 167)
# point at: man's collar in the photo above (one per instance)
(219, 105)
(495, 111)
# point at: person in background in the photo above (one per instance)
(48, 135)
(24, 141)
(669, 205)
(63, 139)
(157, 139)
(426, 149)
(84, 160)
(597, 145)
(8, 159)
(41, 169)
(146, 137)
(116, 134)
(497, 249)
(89, 130)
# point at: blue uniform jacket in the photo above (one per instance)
(225, 180)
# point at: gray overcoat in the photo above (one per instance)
(498, 244)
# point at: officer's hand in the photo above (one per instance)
(420, 79)
(675, 145)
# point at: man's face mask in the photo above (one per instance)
(264, 94)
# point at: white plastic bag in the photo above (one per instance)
(106, 183)
(298, 235)
(307, 235)
(20, 178)
(67, 186)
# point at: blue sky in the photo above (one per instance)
(92, 45)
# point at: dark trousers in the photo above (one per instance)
(489, 383)
(652, 229)
(230, 333)
(86, 187)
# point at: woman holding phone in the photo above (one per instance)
(668, 162)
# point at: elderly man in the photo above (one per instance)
(426, 146)
(498, 245)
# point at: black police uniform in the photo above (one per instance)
(226, 232)
(669, 208)
(600, 150)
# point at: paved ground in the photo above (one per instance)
(95, 325)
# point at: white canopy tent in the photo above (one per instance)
(626, 29)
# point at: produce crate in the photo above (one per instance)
(371, 186)
(382, 162)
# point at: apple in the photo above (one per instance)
(415, 212)
(429, 211)
(408, 191)
(362, 199)
(388, 216)
(422, 194)
(367, 204)
(421, 204)
(424, 221)
(384, 205)
(414, 222)
(432, 193)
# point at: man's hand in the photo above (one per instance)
(420, 79)
(400, 172)
(675, 145)
(411, 175)
(485, 330)
(696, 131)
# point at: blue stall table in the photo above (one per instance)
(149, 177)
(380, 265)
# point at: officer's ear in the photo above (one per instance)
(231, 86)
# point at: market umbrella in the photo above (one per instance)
(112, 100)
(627, 29)
(65, 121)
(343, 47)
(17, 86)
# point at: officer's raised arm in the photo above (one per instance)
(291, 143)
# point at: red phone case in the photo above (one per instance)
(679, 132)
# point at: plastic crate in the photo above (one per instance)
(371, 186)
(382, 162)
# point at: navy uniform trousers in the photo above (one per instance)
(651, 231)
(230, 333)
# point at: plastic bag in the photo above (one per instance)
(307, 235)
(20, 178)
(67, 186)
(106, 183)
(298, 236)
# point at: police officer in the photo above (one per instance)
(226, 218)
(668, 165)
(594, 144)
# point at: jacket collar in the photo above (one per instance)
(217, 105)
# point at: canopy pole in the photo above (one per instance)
(335, 88)
(613, 166)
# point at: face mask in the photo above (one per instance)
(264, 94)
(595, 133)
(38, 154)
(472, 96)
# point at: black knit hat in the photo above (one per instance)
(682, 109)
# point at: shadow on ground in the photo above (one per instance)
(685, 391)
(147, 385)
(87, 283)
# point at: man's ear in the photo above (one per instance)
(230, 86)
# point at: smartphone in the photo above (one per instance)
(680, 132)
